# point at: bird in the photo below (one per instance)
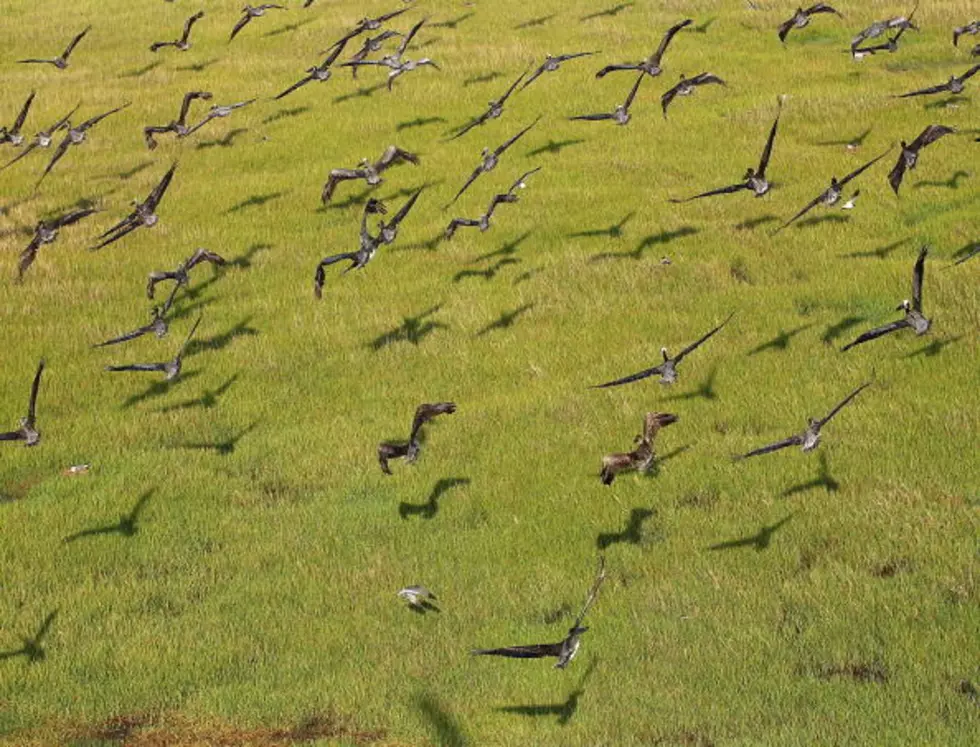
(42, 139)
(621, 114)
(28, 432)
(913, 319)
(418, 597)
(76, 136)
(370, 172)
(143, 213)
(389, 229)
(371, 44)
(157, 325)
(641, 458)
(177, 126)
(12, 135)
(687, 86)
(668, 369)
(182, 274)
(651, 65)
(954, 85)
(366, 24)
(490, 159)
(61, 61)
(170, 369)
(909, 156)
(494, 109)
(832, 194)
(890, 45)
(801, 18)
(218, 112)
(566, 649)
(368, 246)
(809, 439)
(483, 222)
(318, 73)
(249, 12)
(397, 64)
(878, 28)
(182, 44)
(45, 232)
(755, 179)
(972, 28)
(552, 63)
(410, 449)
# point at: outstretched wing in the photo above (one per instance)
(72, 217)
(680, 356)
(796, 440)
(59, 152)
(19, 122)
(767, 151)
(321, 276)
(242, 22)
(631, 378)
(298, 84)
(809, 206)
(897, 173)
(28, 256)
(876, 333)
(392, 155)
(404, 209)
(74, 43)
(593, 592)
(711, 192)
(784, 28)
(926, 91)
(970, 73)
(189, 24)
(99, 117)
(407, 39)
(388, 451)
(613, 68)
(841, 404)
(203, 255)
(20, 155)
(153, 199)
(507, 143)
(426, 412)
(633, 90)
(930, 135)
(857, 172)
(472, 178)
(918, 272)
(138, 367)
(510, 90)
(185, 104)
(34, 387)
(125, 337)
(655, 57)
(533, 651)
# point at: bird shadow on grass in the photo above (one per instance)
(703, 28)
(819, 220)
(633, 532)
(705, 390)
(505, 320)
(948, 101)
(488, 273)
(781, 341)
(286, 114)
(244, 261)
(934, 348)
(418, 122)
(186, 310)
(452, 23)
(615, 231)
(881, 252)
(130, 173)
(198, 67)
(430, 508)
(222, 448)
(563, 711)
(223, 339)
(657, 239)
(32, 649)
(360, 93)
(856, 141)
(532, 22)
(207, 401)
(505, 251)
(823, 480)
(658, 461)
(759, 541)
(967, 252)
(357, 198)
(751, 223)
(429, 245)
(554, 147)
(413, 329)
(448, 731)
(141, 71)
(224, 142)
(952, 183)
(158, 389)
(127, 526)
(836, 330)
(289, 27)
(485, 78)
(615, 10)
(255, 201)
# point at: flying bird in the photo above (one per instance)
(801, 18)
(157, 325)
(397, 64)
(181, 276)
(490, 159)
(45, 232)
(182, 44)
(410, 449)
(809, 439)
(61, 61)
(687, 86)
(76, 136)
(368, 246)
(651, 65)
(370, 172)
(483, 222)
(42, 139)
(878, 28)
(366, 24)
(565, 649)
(641, 458)
(170, 369)
(955, 85)
(249, 12)
(389, 229)
(494, 109)
(552, 63)
(28, 432)
(914, 318)
(318, 73)
(890, 46)
(177, 126)
(12, 135)
(668, 369)
(219, 112)
(972, 28)
(418, 598)
(910, 152)
(143, 213)
(371, 44)
(621, 114)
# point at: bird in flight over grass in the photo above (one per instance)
(371, 44)
(369, 172)
(182, 274)
(61, 61)
(809, 439)
(41, 140)
(410, 449)
(157, 325)
(955, 85)
(910, 152)
(801, 18)
(651, 65)
(483, 222)
(890, 46)
(144, 213)
(914, 318)
(755, 179)
(28, 432)
(366, 24)
(686, 87)
(832, 194)
(12, 135)
(396, 62)
(566, 649)
(219, 112)
(45, 232)
(641, 458)
(389, 229)
(494, 109)
(490, 159)
(182, 44)
(368, 246)
(552, 63)
(668, 369)
(621, 114)
(972, 28)
(876, 29)
(177, 126)
(249, 12)
(418, 597)
(318, 73)
(171, 368)
(76, 136)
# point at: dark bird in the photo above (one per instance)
(651, 65)
(143, 212)
(249, 12)
(687, 86)
(45, 232)
(641, 458)
(177, 126)
(42, 139)
(832, 194)
(182, 274)
(914, 318)
(759, 541)
(32, 649)
(368, 246)
(483, 222)
(972, 28)
(801, 18)
(371, 44)
(171, 368)
(157, 324)
(878, 28)
(490, 159)
(61, 62)
(318, 73)
(76, 136)
(127, 525)
(809, 439)
(369, 172)
(565, 649)
(182, 44)
(954, 85)
(890, 46)
(28, 432)
(219, 112)
(494, 109)
(621, 114)
(668, 369)
(910, 152)
(366, 24)
(410, 449)
(552, 63)
(396, 62)
(755, 179)
(12, 135)
(389, 229)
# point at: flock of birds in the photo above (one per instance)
(374, 35)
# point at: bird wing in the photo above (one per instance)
(185, 104)
(655, 57)
(632, 377)
(56, 156)
(593, 592)
(20, 155)
(338, 175)
(510, 90)
(34, 387)
(533, 651)
(72, 217)
(633, 90)
(74, 43)
(680, 356)
(153, 199)
(19, 122)
(535, 75)
(471, 124)
(897, 173)
(127, 227)
(99, 117)
(33, 59)
(190, 335)
(407, 39)
(593, 117)
(189, 24)
(12, 436)
(667, 98)
(160, 45)
(203, 255)
(720, 191)
(970, 73)
(334, 53)
(877, 332)
(810, 205)
(857, 172)
(388, 451)
(392, 155)
(242, 22)
(918, 272)
(767, 151)
(126, 337)
(791, 441)
(705, 78)
(427, 412)
(472, 178)
(321, 276)
(507, 143)
(925, 91)
(841, 404)
(784, 28)
(520, 181)
(404, 209)
(930, 135)
(62, 122)
(298, 84)
(821, 8)
(612, 68)
(138, 367)
(28, 256)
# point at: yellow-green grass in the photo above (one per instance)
(259, 590)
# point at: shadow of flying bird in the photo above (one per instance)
(759, 541)
(127, 526)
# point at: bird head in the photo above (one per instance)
(663, 352)
(904, 306)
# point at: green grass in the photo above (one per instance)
(259, 590)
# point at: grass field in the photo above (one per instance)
(255, 601)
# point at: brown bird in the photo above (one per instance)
(410, 450)
(45, 232)
(369, 172)
(182, 274)
(641, 458)
(177, 126)
(144, 213)
(28, 432)
(801, 18)
(910, 152)
(182, 44)
(651, 65)
(61, 61)
(954, 85)
(249, 12)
